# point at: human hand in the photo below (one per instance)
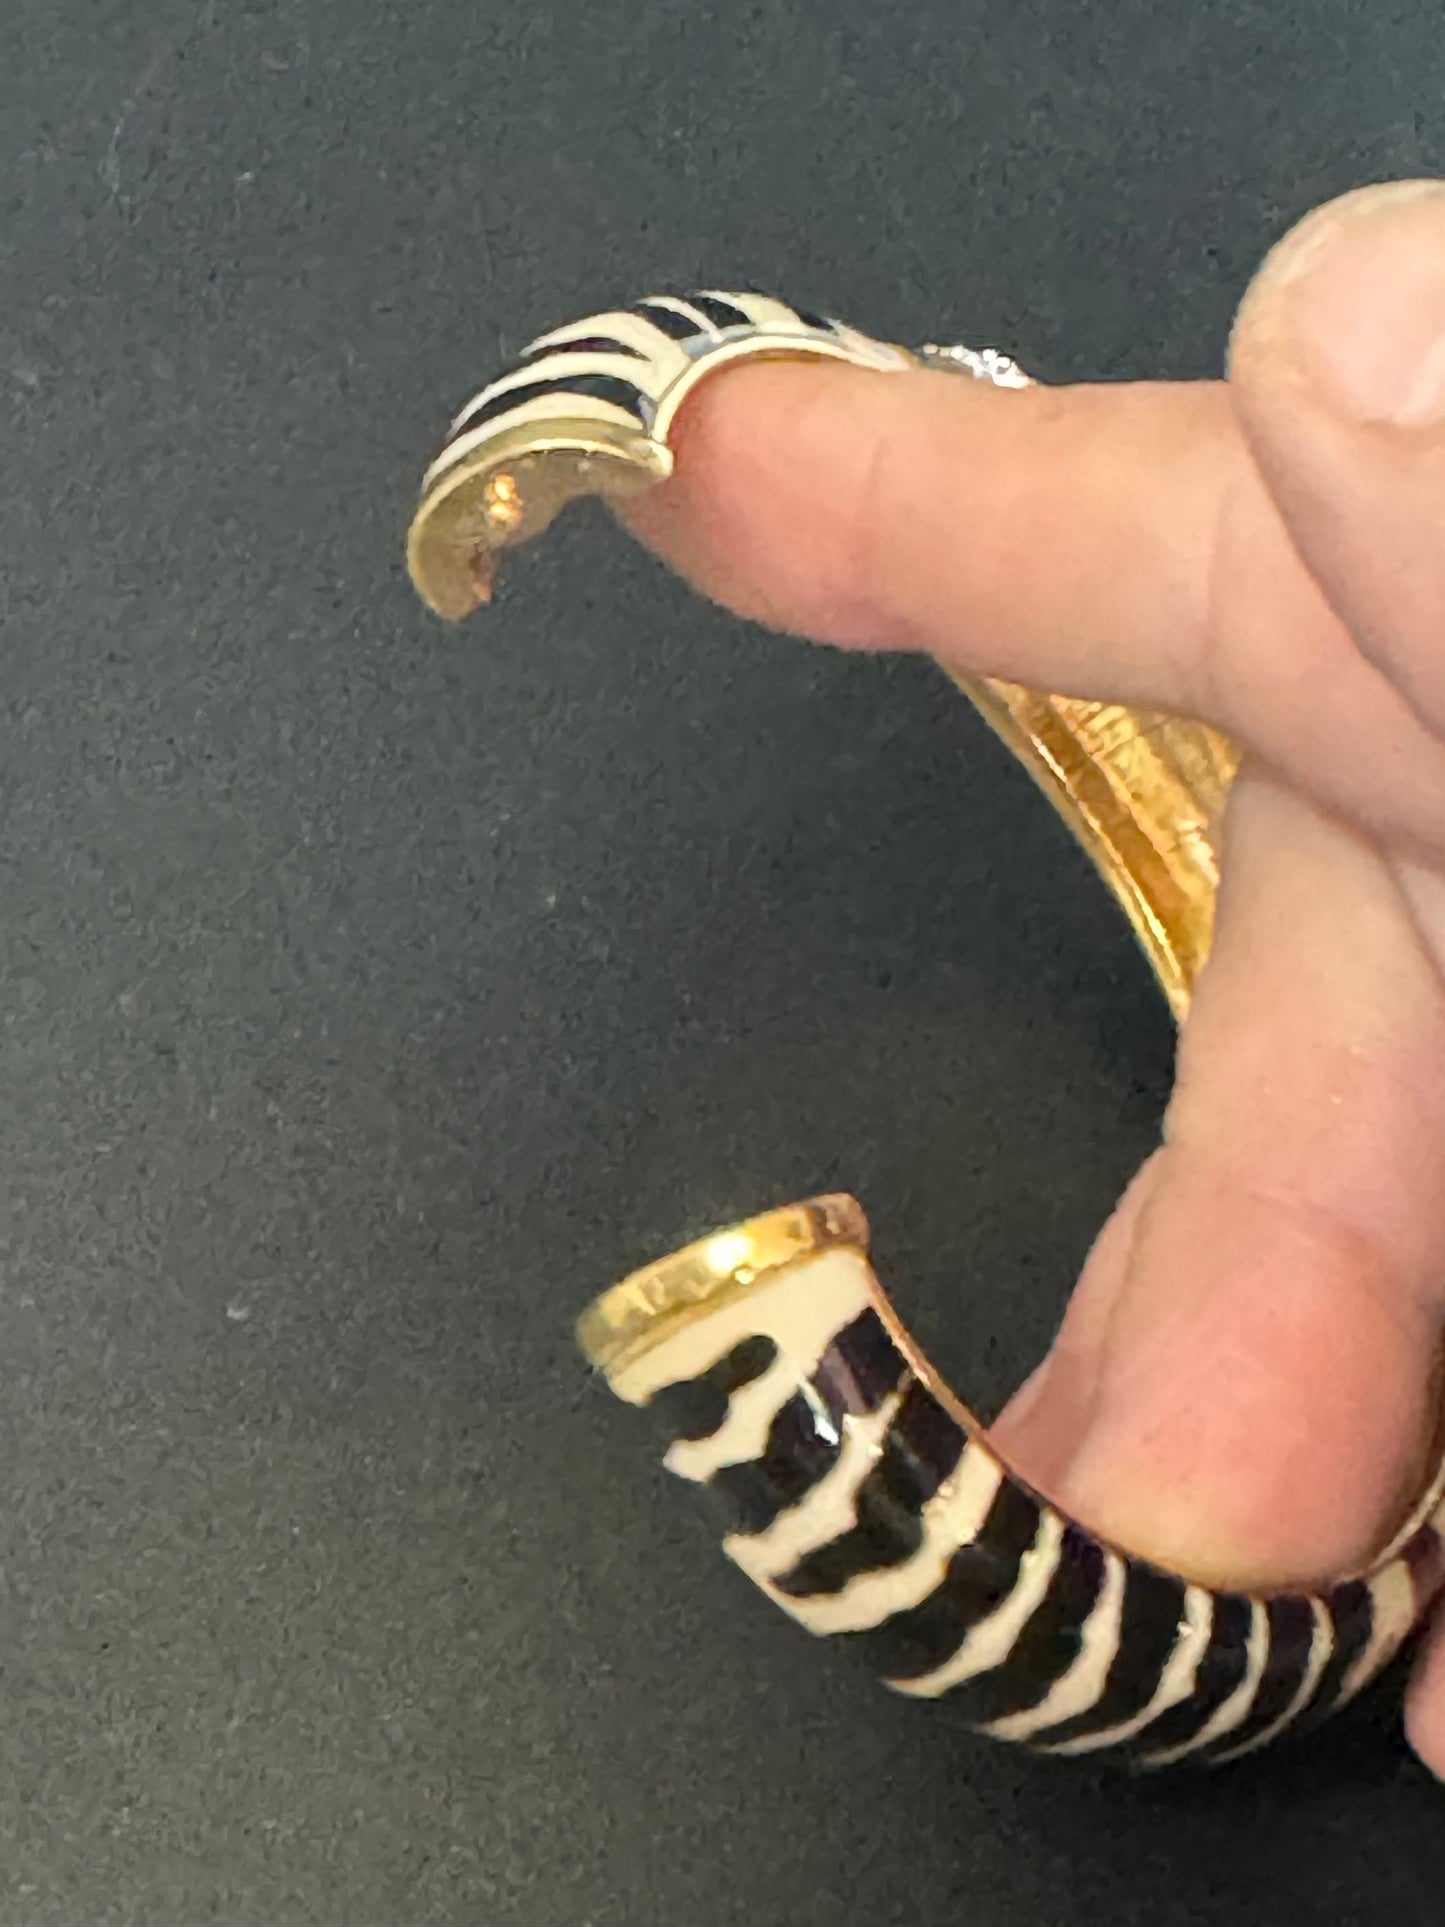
(1245, 1385)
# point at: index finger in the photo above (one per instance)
(1057, 537)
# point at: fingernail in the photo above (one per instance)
(1354, 298)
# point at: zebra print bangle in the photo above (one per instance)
(586, 410)
(865, 1500)
(857, 1492)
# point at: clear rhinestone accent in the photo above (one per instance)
(984, 364)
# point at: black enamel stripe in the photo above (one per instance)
(928, 1438)
(803, 1445)
(1352, 1616)
(580, 345)
(1050, 1641)
(1352, 1607)
(611, 388)
(923, 1446)
(1287, 1658)
(1149, 1626)
(807, 317)
(1221, 1669)
(976, 1580)
(722, 314)
(694, 1408)
(861, 1367)
(855, 1374)
(680, 327)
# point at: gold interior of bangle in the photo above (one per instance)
(1144, 795)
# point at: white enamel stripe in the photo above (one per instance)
(1076, 1690)
(685, 308)
(667, 356)
(801, 1309)
(826, 1512)
(743, 1434)
(990, 1642)
(1322, 1644)
(761, 309)
(561, 406)
(772, 317)
(668, 368)
(1392, 1617)
(872, 353)
(739, 346)
(557, 367)
(1235, 1710)
(952, 1518)
(1176, 1680)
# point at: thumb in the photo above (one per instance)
(1338, 378)
(1243, 1386)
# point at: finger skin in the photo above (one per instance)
(1115, 542)
(1049, 535)
(1260, 1395)
(1352, 441)
(1338, 376)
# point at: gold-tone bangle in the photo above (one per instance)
(857, 1491)
(691, 1284)
(1144, 795)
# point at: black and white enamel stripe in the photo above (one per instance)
(858, 1500)
(631, 367)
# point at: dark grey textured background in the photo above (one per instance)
(373, 993)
